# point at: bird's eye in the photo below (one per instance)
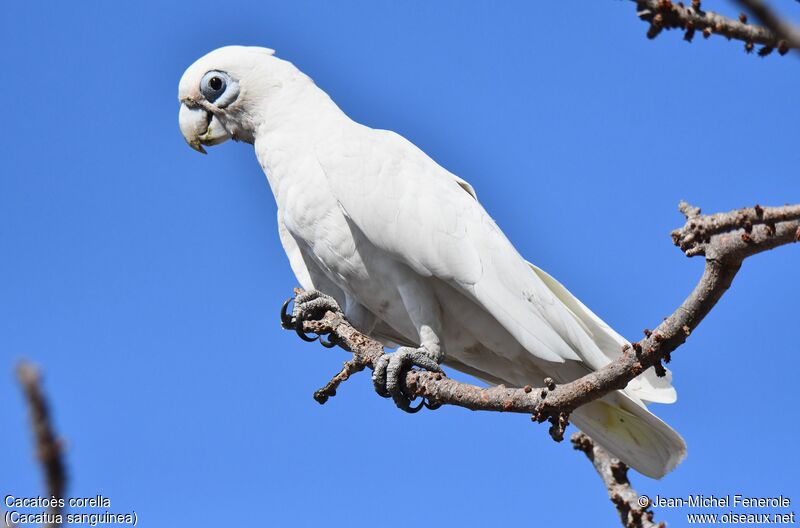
(214, 84)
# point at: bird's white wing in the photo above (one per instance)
(307, 272)
(410, 207)
(311, 277)
(647, 386)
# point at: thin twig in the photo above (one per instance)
(49, 450)
(615, 477)
(329, 390)
(691, 19)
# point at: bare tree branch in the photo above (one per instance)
(615, 477)
(764, 14)
(725, 239)
(666, 14)
(48, 447)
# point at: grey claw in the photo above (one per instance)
(390, 371)
(314, 302)
(307, 303)
(379, 376)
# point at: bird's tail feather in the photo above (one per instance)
(631, 433)
(647, 386)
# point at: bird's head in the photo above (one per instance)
(221, 94)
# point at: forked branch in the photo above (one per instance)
(724, 239)
(634, 510)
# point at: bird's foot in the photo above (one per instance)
(307, 305)
(390, 371)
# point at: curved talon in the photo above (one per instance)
(287, 321)
(298, 328)
(414, 410)
(389, 372)
(426, 403)
(330, 343)
(431, 404)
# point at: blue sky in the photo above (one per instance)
(145, 279)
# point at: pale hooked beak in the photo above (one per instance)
(200, 127)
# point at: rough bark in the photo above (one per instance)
(724, 239)
(614, 475)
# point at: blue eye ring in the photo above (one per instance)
(218, 87)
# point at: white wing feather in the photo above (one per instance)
(648, 386)
(420, 213)
(408, 206)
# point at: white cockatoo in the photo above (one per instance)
(373, 225)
